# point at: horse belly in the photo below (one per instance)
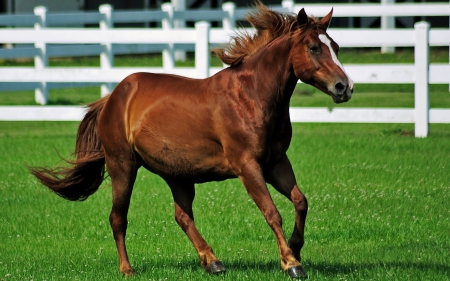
(199, 161)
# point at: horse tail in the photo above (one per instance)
(84, 175)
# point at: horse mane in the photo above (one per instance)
(269, 25)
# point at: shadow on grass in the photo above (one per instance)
(400, 131)
(335, 269)
(193, 265)
(64, 101)
(331, 270)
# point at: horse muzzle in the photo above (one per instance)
(341, 92)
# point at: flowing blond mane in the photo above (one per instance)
(269, 25)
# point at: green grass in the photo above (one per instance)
(366, 95)
(378, 211)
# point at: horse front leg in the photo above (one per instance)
(255, 184)
(282, 178)
(183, 195)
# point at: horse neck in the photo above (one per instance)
(273, 73)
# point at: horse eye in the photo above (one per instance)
(314, 49)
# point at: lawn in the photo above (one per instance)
(378, 199)
(378, 211)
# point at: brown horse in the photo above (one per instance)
(233, 124)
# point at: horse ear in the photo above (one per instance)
(302, 17)
(326, 20)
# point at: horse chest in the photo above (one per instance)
(266, 139)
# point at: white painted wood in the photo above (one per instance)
(360, 73)
(301, 115)
(95, 36)
(367, 37)
(168, 52)
(421, 88)
(288, 4)
(202, 53)
(387, 22)
(439, 37)
(439, 115)
(41, 59)
(81, 75)
(202, 36)
(42, 113)
(352, 115)
(375, 10)
(106, 56)
(345, 37)
(229, 22)
(316, 9)
(179, 5)
(381, 73)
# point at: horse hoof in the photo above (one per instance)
(296, 272)
(128, 273)
(215, 267)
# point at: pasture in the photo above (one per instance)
(378, 211)
(378, 201)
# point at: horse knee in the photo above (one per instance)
(118, 222)
(182, 219)
(300, 201)
(273, 219)
(302, 205)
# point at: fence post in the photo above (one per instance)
(288, 4)
(146, 7)
(421, 86)
(179, 5)
(202, 54)
(387, 23)
(229, 22)
(167, 24)
(41, 60)
(106, 56)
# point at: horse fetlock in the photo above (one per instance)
(127, 272)
(289, 261)
(207, 257)
(210, 263)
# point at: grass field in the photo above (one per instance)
(378, 211)
(379, 199)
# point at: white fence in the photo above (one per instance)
(421, 73)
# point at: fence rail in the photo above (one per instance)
(228, 16)
(298, 114)
(102, 41)
(377, 10)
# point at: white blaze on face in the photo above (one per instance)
(324, 39)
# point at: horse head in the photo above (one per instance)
(314, 58)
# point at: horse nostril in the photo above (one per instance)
(340, 88)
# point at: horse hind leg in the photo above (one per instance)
(123, 174)
(183, 195)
